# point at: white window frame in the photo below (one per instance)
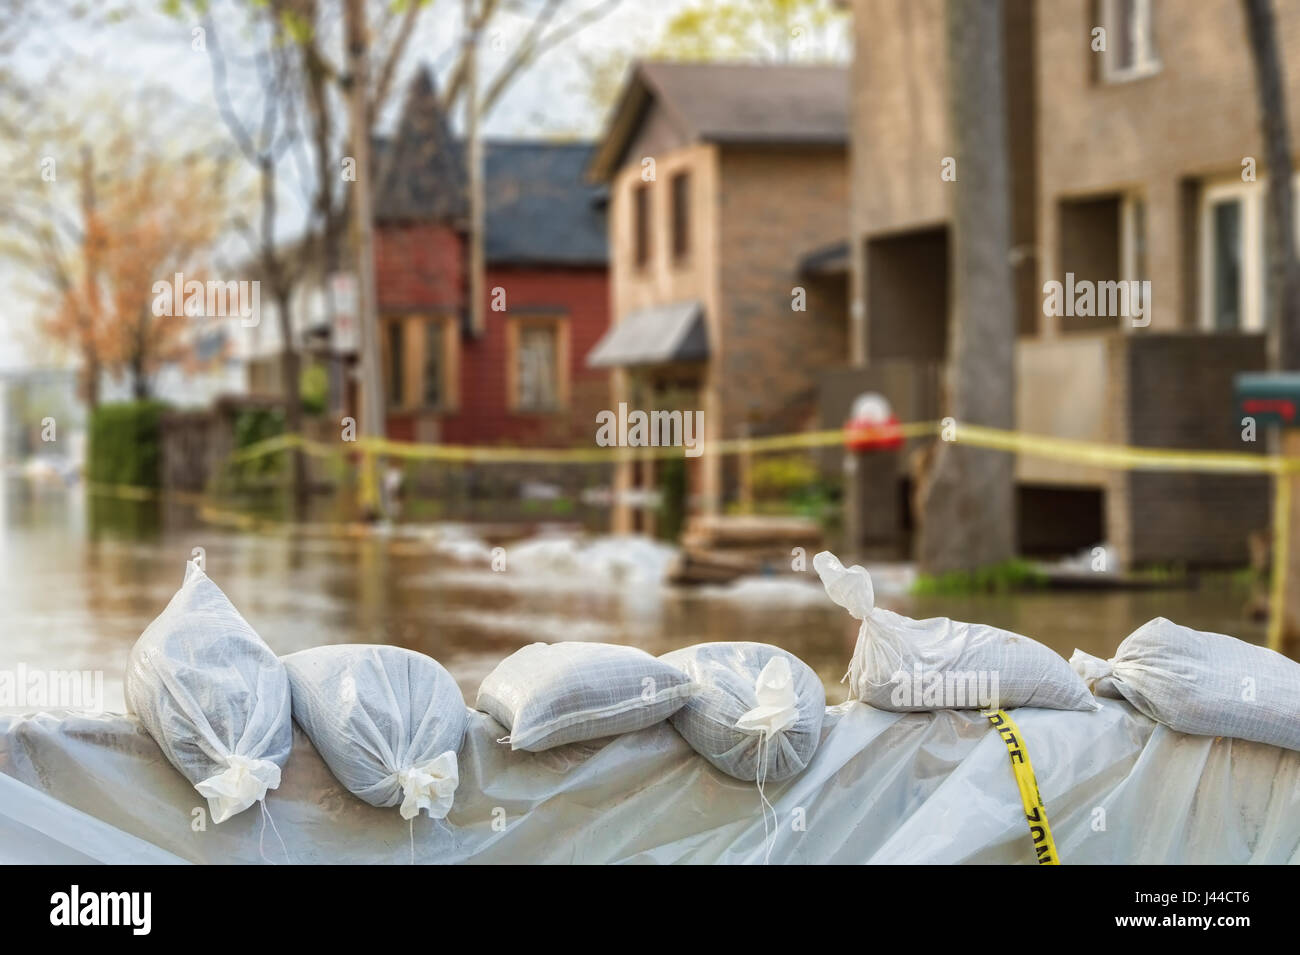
(1145, 60)
(1252, 196)
(1128, 254)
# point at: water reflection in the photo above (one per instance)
(79, 581)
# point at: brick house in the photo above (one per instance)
(727, 184)
(523, 379)
(1126, 164)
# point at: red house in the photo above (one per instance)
(522, 379)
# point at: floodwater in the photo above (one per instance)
(79, 582)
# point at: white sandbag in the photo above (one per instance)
(550, 694)
(213, 696)
(905, 665)
(757, 710)
(1208, 684)
(387, 721)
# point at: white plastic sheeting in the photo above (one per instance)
(882, 787)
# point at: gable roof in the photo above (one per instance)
(539, 208)
(730, 103)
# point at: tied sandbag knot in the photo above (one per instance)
(243, 782)
(430, 786)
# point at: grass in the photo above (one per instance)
(1010, 575)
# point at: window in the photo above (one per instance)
(641, 224)
(1130, 40)
(681, 189)
(396, 358)
(420, 355)
(1226, 264)
(1233, 263)
(537, 353)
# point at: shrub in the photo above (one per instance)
(251, 426)
(1014, 574)
(314, 388)
(126, 444)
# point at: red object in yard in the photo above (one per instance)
(872, 425)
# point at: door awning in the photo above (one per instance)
(654, 336)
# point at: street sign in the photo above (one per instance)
(345, 337)
(1269, 397)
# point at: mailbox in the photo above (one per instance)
(1269, 397)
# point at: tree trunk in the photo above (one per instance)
(139, 382)
(282, 290)
(968, 495)
(1283, 315)
(474, 159)
(1283, 276)
(90, 378)
(372, 394)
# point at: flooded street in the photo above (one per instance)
(79, 583)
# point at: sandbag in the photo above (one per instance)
(213, 696)
(906, 665)
(546, 695)
(388, 722)
(757, 710)
(1209, 684)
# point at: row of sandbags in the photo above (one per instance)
(389, 722)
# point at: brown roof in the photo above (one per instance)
(731, 103)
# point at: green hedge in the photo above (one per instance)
(126, 444)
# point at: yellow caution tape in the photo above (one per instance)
(1281, 559)
(1115, 456)
(1035, 812)
(1118, 456)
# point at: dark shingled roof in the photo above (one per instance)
(732, 103)
(422, 174)
(540, 209)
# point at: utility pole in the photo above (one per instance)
(372, 393)
(475, 161)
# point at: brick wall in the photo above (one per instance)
(900, 138)
(1197, 117)
(1176, 391)
(581, 295)
(776, 205)
(418, 266)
